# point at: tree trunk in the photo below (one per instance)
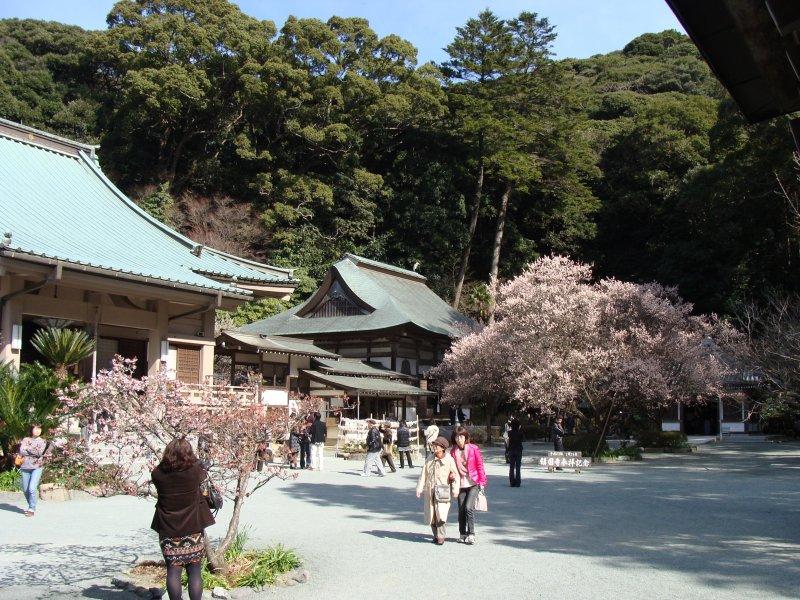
(603, 431)
(473, 223)
(216, 556)
(498, 243)
(489, 421)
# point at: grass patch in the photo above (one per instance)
(10, 481)
(246, 567)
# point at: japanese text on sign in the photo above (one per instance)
(565, 462)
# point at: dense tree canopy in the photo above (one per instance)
(296, 142)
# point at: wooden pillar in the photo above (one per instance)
(207, 351)
(156, 336)
(12, 315)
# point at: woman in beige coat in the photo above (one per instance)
(439, 469)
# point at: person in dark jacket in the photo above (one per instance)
(182, 513)
(305, 445)
(514, 454)
(374, 449)
(404, 443)
(558, 435)
(319, 433)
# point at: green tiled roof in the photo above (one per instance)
(395, 297)
(268, 343)
(359, 368)
(367, 386)
(57, 204)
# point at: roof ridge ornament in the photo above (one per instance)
(198, 250)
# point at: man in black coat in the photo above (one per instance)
(558, 435)
(374, 447)
(319, 433)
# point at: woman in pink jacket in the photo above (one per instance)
(469, 463)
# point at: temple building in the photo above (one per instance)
(385, 329)
(76, 252)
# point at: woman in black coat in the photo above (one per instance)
(514, 454)
(182, 513)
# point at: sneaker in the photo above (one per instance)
(470, 540)
(463, 539)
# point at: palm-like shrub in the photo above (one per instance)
(63, 348)
(27, 396)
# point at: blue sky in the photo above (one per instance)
(584, 27)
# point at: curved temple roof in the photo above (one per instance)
(266, 343)
(367, 386)
(391, 297)
(57, 204)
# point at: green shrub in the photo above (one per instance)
(585, 442)
(74, 475)
(633, 451)
(662, 439)
(477, 435)
(533, 431)
(10, 481)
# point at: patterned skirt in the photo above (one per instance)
(183, 550)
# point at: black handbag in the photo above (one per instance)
(211, 494)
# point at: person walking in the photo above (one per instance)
(558, 437)
(374, 449)
(263, 454)
(386, 454)
(438, 486)
(319, 433)
(506, 429)
(472, 480)
(404, 443)
(431, 433)
(515, 454)
(33, 449)
(294, 447)
(181, 516)
(305, 446)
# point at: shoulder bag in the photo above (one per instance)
(211, 494)
(441, 491)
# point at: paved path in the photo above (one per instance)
(723, 523)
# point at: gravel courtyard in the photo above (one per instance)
(722, 523)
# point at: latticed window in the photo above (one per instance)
(336, 305)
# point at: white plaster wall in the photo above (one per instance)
(297, 363)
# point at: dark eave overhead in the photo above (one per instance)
(752, 46)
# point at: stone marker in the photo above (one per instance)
(220, 593)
